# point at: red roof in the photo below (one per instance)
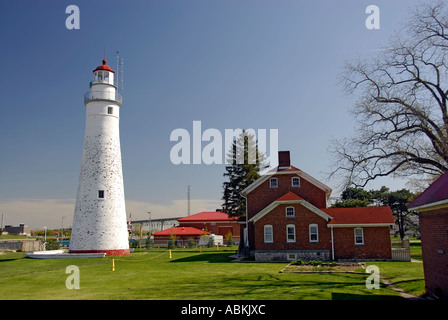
(277, 169)
(361, 215)
(436, 192)
(181, 231)
(104, 67)
(290, 196)
(208, 216)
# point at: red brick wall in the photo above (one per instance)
(434, 235)
(376, 243)
(303, 218)
(376, 239)
(262, 196)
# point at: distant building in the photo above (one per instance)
(215, 222)
(21, 230)
(181, 235)
(432, 206)
(200, 224)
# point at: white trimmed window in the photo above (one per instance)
(314, 234)
(110, 110)
(268, 235)
(295, 182)
(290, 233)
(100, 194)
(290, 213)
(273, 183)
(359, 236)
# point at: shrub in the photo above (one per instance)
(314, 263)
(171, 244)
(191, 243)
(52, 245)
(149, 243)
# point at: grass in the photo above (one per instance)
(405, 275)
(190, 275)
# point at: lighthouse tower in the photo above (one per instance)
(99, 223)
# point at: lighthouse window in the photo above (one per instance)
(100, 194)
(110, 110)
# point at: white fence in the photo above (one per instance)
(401, 254)
(401, 250)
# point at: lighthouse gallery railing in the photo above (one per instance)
(101, 96)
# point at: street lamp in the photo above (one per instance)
(45, 238)
(62, 231)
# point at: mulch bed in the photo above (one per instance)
(346, 267)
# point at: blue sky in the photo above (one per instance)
(227, 63)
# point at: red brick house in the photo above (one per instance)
(432, 206)
(287, 219)
(202, 223)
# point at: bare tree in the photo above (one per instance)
(401, 113)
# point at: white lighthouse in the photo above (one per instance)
(99, 223)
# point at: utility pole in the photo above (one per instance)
(188, 197)
(150, 233)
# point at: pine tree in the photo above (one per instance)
(246, 161)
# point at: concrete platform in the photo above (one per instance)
(62, 254)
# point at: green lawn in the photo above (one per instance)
(190, 275)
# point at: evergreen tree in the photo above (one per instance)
(397, 201)
(245, 163)
(354, 197)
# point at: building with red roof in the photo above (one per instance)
(287, 219)
(202, 223)
(432, 206)
(181, 235)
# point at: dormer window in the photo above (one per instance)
(290, 212)
(273, 183)
(295, 181)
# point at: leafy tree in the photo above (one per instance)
(352, 203)
(354, 197)
(52, 245)
(246, 161)
(396, 200)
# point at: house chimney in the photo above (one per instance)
(284, 161)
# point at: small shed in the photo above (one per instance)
(181, 235)
(216, 222)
